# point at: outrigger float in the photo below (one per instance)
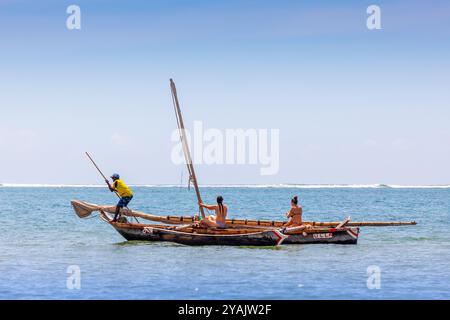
(238, 232)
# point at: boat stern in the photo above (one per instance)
(353, 234)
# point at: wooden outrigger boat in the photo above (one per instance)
(238, 232)
(183, 229)
(234, 234)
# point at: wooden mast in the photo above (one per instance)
(185, 145)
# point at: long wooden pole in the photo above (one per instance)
(95, 165)
(185, 145)
(100, 171)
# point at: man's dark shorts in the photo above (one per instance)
(124, 201)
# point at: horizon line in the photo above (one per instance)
(243, 185)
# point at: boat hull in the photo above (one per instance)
(345, 236)
(149, 233)
(262, 238)
(196, 236)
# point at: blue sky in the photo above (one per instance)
(352, 105)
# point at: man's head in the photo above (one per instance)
(115, 176)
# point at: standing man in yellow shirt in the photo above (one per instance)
(123, 191)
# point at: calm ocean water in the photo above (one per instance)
(41, 236)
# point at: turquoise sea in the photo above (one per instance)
(41, 237)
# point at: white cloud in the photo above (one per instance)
(370, 143)
(401, 143)
(118, 139)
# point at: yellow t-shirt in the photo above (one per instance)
(122, 189)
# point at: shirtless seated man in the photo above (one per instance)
(219, 220)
